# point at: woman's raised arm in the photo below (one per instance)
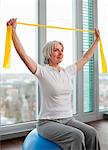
(80, 63)
(30, 63)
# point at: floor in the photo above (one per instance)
(101, 126)
(14, 144)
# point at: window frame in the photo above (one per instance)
(81, 115)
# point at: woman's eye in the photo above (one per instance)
(55, 50)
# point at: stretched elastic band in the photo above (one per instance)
(56, 27)
(9, 41)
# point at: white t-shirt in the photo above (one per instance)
(56, 87)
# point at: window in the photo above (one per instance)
(88, 71)
(18, 87)
(103, 78)
(58, 15)
(87, 79)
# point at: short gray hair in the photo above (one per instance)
(47, 50)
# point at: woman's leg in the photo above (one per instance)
(91, 138)
(66, 137)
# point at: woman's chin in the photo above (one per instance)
(59, 61)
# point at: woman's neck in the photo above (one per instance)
(56, 66)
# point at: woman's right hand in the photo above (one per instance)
(12, 22)
(97, 34)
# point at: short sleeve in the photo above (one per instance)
(71, 70)
(39, 71)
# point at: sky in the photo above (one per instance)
(24, 11)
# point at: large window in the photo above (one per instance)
(18, 87)
(103, 78)
(87, 103)
(80, 14)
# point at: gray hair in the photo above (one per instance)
(47, 50)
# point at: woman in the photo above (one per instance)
(56, 121)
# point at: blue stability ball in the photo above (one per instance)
(34, 141)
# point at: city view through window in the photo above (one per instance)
(17, 98)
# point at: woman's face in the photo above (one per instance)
(56, 56)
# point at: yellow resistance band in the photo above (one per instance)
(56, 27)
(8, 43)
(103, 61)
(9, 39)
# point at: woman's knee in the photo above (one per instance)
(79, 136)
(93, 132)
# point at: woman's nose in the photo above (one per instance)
(60, 52)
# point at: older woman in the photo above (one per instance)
(56, 121)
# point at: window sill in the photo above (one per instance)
(16, 130)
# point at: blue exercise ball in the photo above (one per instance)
(34, 141)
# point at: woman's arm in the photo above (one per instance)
(31, 64)
(80, 63)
